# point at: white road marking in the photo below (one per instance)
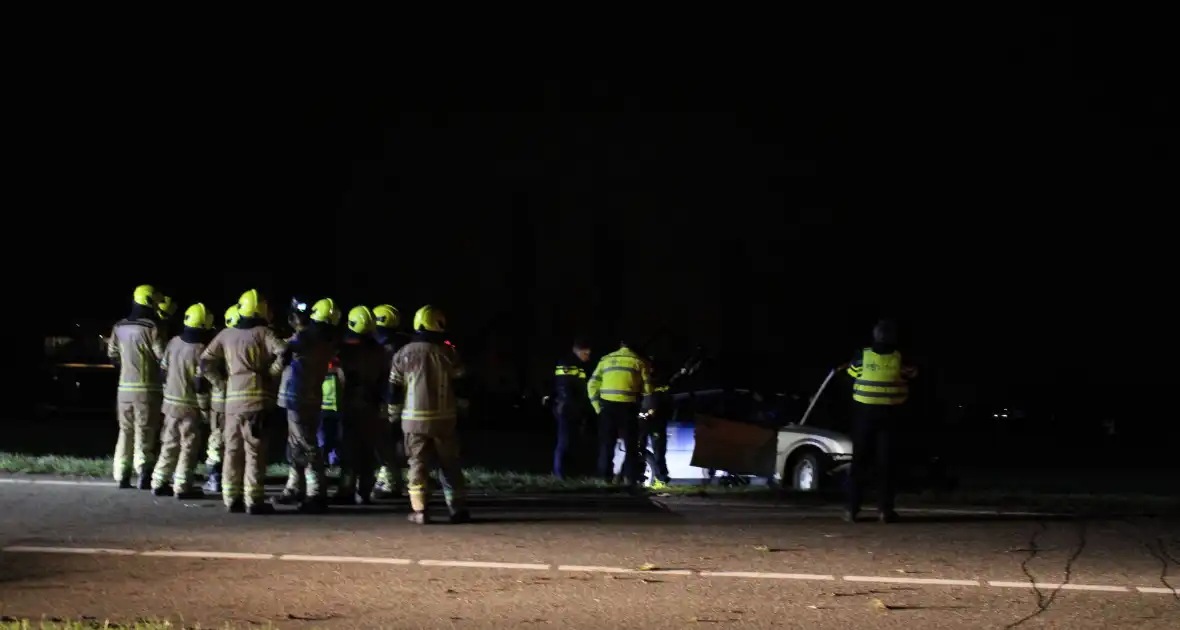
(73, 550)
(470, 564)
(592, 569)
(1158, 589)
(904, 580)
(1063, 587)
(345, 559)
(756, 575)
(229, 555)
(220, 555)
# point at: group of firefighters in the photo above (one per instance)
(371, 398)
(365, 394)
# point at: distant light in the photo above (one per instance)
(1003, 415)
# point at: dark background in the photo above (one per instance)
(1001, 183)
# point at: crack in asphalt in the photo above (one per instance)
(1043, 601)
(1158, 548)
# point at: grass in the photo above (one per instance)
(496, 482)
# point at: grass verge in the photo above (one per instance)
(496, 482)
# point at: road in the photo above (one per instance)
(75, 551)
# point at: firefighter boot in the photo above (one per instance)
(125, 482)
(418, 518)
(295, 491)
(145, 480)
(259, 509)
(162, 491)
(190, 494)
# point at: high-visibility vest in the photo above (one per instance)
(329, 391)
(879, 379)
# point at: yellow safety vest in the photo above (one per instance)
(879, 379)
(329, 390)
(621, 376)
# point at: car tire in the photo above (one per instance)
(804, 473)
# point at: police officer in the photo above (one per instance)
(251, 353)
(215, 447)
(136, 346)
(185, 403)
(879, 394)
(392, 457)
(422, 396)
(619, 389)
(301, 394)
(570, 404)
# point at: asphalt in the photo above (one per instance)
(75, 551)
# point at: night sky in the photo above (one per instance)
(1001, 189)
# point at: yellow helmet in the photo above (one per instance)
(197, 316)
(430, 318)
(387, 316)
(145, 295)
(231, 316)
(166, 307)
(251, 304)
(360, 320)
(325, 312)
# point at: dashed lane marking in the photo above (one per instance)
(472, 564)
(904, 580)
(1050, 586)
(757, 575)
(345, 559)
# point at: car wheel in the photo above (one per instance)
(806, 473)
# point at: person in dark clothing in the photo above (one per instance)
(571, 407)
(879, 394)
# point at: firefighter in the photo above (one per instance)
(165, 309)
(363, 364)
(135, 345)
(571, 406)
(301, 393)
(215, 447)
(185, 398)
(422, 397)
(389, 477)
(619, 389)
(251, 353)
(879, 394)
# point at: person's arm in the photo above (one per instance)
(164, 359)
(113, 348)
(592, 386)
(855, 366)
(397, 390)
(649, 399)
(211, 360)
(158, 344)
(277, 349)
